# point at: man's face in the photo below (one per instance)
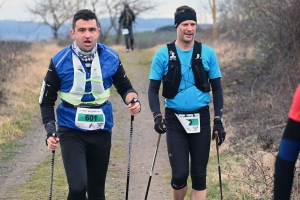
(86, 33)
(186, 31)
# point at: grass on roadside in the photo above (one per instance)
(21, 94)
(38, 186)
(16, 119)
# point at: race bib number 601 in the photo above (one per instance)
(90, 118)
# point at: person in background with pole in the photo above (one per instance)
(187, 70)
(288, 152)
(126, 19)
(83, 73)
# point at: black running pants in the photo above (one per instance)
(188, 149)
(85, 156)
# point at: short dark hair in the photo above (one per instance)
(84, 14)
(183, 9)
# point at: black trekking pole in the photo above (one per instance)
(51, 175)
(152, 167)
(52, 171)
(129, 156)
(219, 168)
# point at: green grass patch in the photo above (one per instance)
(16, 122)
(8, 150)
(10, 134)
(38, 186)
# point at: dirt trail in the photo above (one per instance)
(144, 141)
(15, 172)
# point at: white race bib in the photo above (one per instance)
(125, 31)
(190, 122)
(90, 118)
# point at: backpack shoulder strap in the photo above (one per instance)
(197, 53)
(172, 51)
(173, 56)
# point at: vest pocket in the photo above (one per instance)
(171, 82)
(201, 79)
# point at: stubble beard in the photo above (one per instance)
(187, 41)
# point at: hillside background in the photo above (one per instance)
(33, 31)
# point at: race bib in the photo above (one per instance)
(125, 31)
(190, 122)
(90, 118)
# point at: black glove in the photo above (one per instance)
(218, 127)
(159, 124)
(50, 128)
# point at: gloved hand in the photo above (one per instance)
(50, 128)
(159, 124)
(218, 127)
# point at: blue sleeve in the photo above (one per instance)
(159, 65)
(210, 62)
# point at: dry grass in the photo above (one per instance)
(229, 53)
(22, 89)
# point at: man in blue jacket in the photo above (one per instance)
(83, 73)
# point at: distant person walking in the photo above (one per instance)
(126, 19)
(83, 73)
(288, 152)
(188, 71)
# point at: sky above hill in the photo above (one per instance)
(16, 9)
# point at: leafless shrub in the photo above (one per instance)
(10, 51)
(257, 176)
(262, 87)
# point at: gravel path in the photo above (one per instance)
(144, 142)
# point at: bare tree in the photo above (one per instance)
(213, 7)
(108, 8)
(54, 13)
(113, 9)
(1, 3)
(80, 4)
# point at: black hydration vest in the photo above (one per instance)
(171, 80)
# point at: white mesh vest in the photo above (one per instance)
(79, 81)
